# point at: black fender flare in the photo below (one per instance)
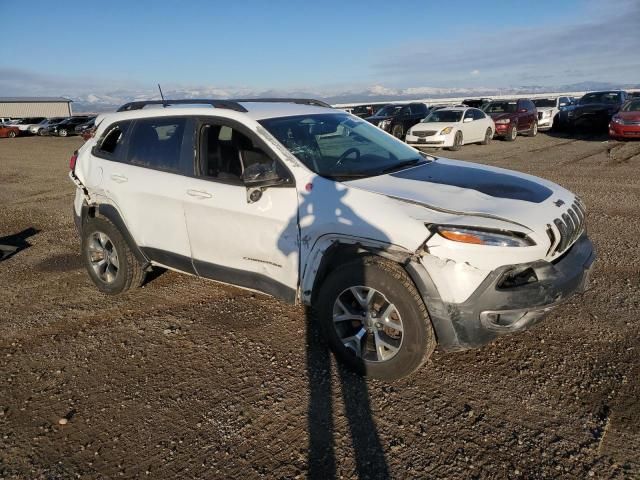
(111, 213)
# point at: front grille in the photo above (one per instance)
(540, 115)
(424, 133)
(568, 227)
(630, 122)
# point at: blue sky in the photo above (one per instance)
(80, 48)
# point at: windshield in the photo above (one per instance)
(632, 106)
(337, 145)
(388, 110)
(500, 107)
(600, 97)
(444, 116)
(544, 102)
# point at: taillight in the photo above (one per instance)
(73, 160)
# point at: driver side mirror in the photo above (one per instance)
(261, 175)
(467, 120)
(523, 110)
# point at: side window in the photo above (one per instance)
(111, 143)
(469, 114)
(226, 152)
(531, 106)
(477, 114)
(157, 143)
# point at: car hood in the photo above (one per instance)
(378, 119)
(464, 188)
(433, 126)
(596, 107)
(630, 116)
(498, 116)
(545, 109)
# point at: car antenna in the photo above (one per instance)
(164, 103)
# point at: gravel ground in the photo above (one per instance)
(184, 378)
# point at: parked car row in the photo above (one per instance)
(54, 126)
(480, 120)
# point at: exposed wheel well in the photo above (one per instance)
(340, 253)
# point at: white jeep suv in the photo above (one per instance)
(548, 110)
(395, 251)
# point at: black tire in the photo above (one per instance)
(12, 134)
(62, 132)
(418, 339)
(129, 272)
(488, 136)
(398, 132)
(512, 134)
(533, 131)
(457, 141)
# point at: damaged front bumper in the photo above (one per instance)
(510, 299)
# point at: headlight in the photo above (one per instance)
(446, 131)
(504, 120)
(547, 113)
(617, 120)
(571, 113)
(483, 237)
(384, 124)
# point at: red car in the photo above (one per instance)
(9, 131)
(626, 123)
(513, 117)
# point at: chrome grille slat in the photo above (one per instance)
(570, 226)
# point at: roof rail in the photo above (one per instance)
(227, 104)
(299, 101)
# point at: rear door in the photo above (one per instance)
(146, 183)
(242, 236)
(524, 116)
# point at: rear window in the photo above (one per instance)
(110, 145)
(157, 142)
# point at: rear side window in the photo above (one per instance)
(111, 144)
(157, 143)
(477, 114)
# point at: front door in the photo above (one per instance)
(240, 236)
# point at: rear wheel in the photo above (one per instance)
(398, 131)
(488, 136)
(374, 319)
(62, 132)
(108, 259)
(457, 141)
(12, 134)
(513, 133)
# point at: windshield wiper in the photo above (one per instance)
(401, 165)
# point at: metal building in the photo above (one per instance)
(21, 107)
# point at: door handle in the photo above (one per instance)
(198, 194)
(119, 178)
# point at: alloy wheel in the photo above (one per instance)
(103, 257)
(368, 324)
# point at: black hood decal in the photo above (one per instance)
(494, 184)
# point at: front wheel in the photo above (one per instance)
(398, 131)
(374, 319)
(457, 141)
(12, 134)
(62, 132)
(488, 136)
(513, 133)
(533, 131)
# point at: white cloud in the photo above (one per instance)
(475, 72)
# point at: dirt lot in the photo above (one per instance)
(188, 379)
